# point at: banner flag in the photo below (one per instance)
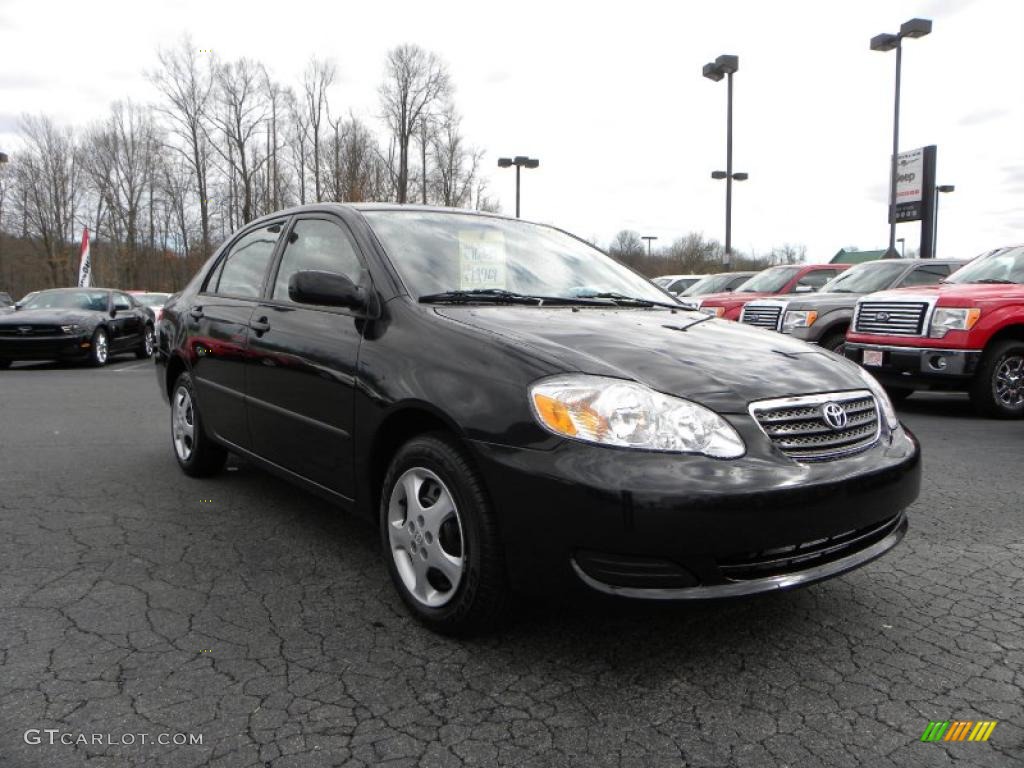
(85, 267)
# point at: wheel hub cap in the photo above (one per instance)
(1009, 382)
(425, 535)
(183, 424)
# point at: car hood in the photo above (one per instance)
(44, 317)
(822, 302)
(721, 364)
(957, 294)
(740, 297)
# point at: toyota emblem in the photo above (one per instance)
(834, 415)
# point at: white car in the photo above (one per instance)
(676, 284)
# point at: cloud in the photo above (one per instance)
(982, 116)
(934, 8)
(9, 122)
(21, 81)
(493, 78)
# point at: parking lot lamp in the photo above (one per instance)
(519, 161)
(726, 66)
(648, 238)
(888, 42)
(944, 188)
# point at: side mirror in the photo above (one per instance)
(17, 306)
(803, 289)
(331, 289)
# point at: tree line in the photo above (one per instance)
(693, 254)
(161, 184)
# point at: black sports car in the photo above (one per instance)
(88, 324)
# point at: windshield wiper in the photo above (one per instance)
(497, 295)
(621, 298)
(501, 296)
(995, 280)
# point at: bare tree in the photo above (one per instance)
(415, 82)
(240, 116)
(455, 164)
(317, 79)
(47, 172)
(186, 87)
(122, 164)
(626, 245)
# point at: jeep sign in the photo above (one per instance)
(910, 185)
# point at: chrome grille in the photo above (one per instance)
(891, 318)
(797, 426)
(763, 316)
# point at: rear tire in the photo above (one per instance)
(145, 350)
(442, 549)
(197, 454)
(998, 386)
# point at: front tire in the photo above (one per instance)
(148, 344)
(998, 386)
(834, 342)
(440, 538)
(197, 454)
(99, 350)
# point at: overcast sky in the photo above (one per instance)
(611, 99)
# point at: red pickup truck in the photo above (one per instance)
(774, 281)
(965, 334)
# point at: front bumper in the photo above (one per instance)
(672, 526)
(918, 367)
(44, 347)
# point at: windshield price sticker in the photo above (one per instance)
(482, 259)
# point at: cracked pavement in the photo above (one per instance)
(134, 600)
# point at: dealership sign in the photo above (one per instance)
(912, 184)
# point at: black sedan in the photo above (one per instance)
(76, 324)
(517, 411)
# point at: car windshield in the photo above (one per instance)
(770, 280)
(440, 253)
(865, 278)
(1002, 266)
(153, 299)
(89, 300)
(709, 284)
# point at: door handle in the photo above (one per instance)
(260, 326)
(195, 313)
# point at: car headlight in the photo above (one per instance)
(798, 318)
(947, 319)
(73, 328)
(607, 411)
(713, 311)
(884, 403)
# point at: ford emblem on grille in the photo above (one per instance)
(882, 317)
(834, 415)
(24, 328)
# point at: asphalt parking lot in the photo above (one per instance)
(134, 600)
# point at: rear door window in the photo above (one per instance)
(926, 274)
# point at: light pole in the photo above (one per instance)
(648, 238)
(887, 42)
(519, 161)
(935, 236)
(726, 66)
(903, 243)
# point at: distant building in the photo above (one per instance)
(856, 257)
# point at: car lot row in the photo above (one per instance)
(916, 324)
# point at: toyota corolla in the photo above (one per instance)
(518, 412)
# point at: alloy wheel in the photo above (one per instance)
(149, 342)
(101, 348)
(1008, 382)
(183, 424)
(425, 534)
